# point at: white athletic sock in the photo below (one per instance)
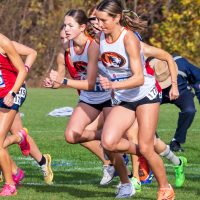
(171, 156)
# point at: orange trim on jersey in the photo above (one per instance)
(116, 38)
(91, 40)
(88, 38)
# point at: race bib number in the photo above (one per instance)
(17, 99)
(20, 96)
(152, 94)
(22, 92)
(2, 84)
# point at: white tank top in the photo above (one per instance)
(116, 61)
(80, 62)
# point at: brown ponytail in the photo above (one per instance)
(129, 18)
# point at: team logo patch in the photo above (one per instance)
(112, 59)
(80, 66)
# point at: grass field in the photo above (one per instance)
(77, 173)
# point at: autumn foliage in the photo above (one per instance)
(173, 25)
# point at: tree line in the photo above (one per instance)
(172, 25)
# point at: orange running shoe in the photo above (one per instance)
(143, 168)
(166, 193)
(145, 173)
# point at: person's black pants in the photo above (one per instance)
(185, 103)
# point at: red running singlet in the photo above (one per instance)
(8, 75)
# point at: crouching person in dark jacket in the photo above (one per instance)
(188, 78)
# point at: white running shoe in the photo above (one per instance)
(108, 174)
(125, 191)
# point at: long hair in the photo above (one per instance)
(128, 19)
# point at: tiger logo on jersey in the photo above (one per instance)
(112, 59)
(81, 69)
(80, 66)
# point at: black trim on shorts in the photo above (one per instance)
(133, 105)
(99, 106)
